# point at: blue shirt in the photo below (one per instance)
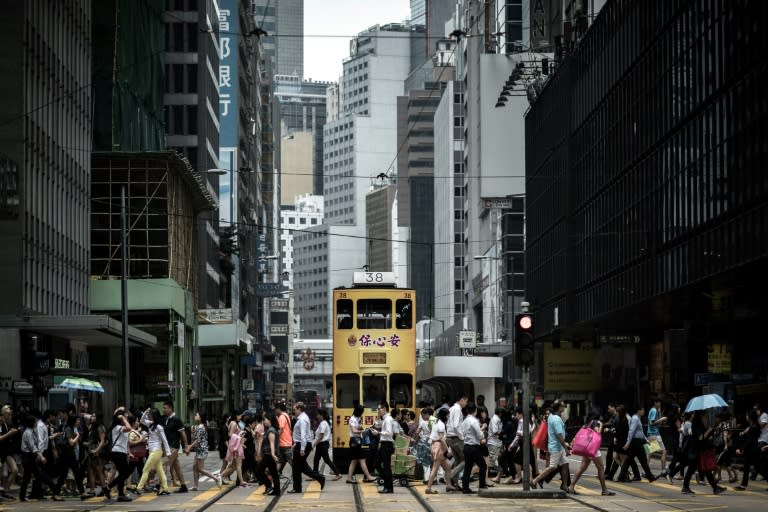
(635, 429)
(555, 426)
(653, 430)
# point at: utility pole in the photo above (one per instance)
(124, 299)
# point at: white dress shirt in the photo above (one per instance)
(472, 431)
(301, 431)
(387, 430)
(455, 417)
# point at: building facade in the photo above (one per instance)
(192, 123)
(646, 200)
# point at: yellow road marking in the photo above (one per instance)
(206, 495)
(634, 489)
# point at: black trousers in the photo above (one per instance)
(473, 455)
(300, 466)
(31, 467)
(124, 470)
(321, 451)
(268, 464)
(67, 461)
(636, 450)
(386, 450)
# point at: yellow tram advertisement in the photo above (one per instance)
(374, 351)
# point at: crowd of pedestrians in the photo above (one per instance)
(55, 454)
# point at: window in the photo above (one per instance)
(374, 314)
(404, 312)
(344, 314)
(347, 390)
(374, 390)
(400, 390)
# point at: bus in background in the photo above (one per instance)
(374, 352)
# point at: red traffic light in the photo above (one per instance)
(525, 322)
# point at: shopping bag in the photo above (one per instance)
(652, 446)
(541, 438)
(586, 443)
(707, 461)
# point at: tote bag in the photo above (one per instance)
(541, 438)
(586, 442)
(652, 446)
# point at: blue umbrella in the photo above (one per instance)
(701, 403)
(82, 384)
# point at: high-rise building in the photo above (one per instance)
(303, 109)
(192, 124)
(648, 200)
(45, 142)
(283, 21)
(358, 146)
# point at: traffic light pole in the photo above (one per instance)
(526, 429)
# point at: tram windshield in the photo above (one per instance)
(347, 390)
(400, 385)
(374, 314)
(374, 390)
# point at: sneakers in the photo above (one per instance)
(163, 493)
(719, 489)
(218, 481)
(124, 498)
(687, 490)
(182, 489)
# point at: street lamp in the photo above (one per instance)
(495, 297)
(429, 332)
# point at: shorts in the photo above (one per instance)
(285, 455)
(493, 455)
(658, 440)
(557, 459)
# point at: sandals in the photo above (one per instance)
(431, 491)
(609, 493)
(337, 477)
(351, 481)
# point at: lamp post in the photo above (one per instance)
(495, 297)
(429, 332)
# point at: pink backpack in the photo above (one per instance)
(587, 442)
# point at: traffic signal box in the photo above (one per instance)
(524, 339)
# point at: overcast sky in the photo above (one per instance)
(323, 55)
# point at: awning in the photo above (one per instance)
(93, 330)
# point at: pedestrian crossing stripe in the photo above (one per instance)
(206, 495)
(635, 489)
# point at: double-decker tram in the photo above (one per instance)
(374, 352)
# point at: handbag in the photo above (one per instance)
(652, 446)
(707, 461)
(586, 442)
(354, 442)
(137, 451)
(541, 438)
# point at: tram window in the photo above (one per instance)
(404, 313)
(374, 390)
(400, 386)
(347, 390)
(374, 314)
(344, 314)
